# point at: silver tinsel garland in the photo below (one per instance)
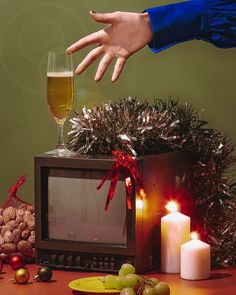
(140, 128)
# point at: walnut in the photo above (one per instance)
(1, 220)
(25, 248)
(3, 256)
(25, 234)
(13, 224)
(19, 219)
(22, 226)
(8, 237)
(31, 224)
(20, 212)
(23, 206)
(9, 214)
(1, 240)
(1, 211)
(31, 240)
(6, 228)
(30, 208)
(8, 248)
(28, 218)
(16, 235)
(27, 212)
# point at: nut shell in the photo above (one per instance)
(24, 248)
(9, 214)
(8, 248)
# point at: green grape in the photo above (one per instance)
(119, 283)
(130, 280)
(162, 289)
(121, 273)
(127, 291)
(127, 268)
(109, 282)
(155, 281)
(149, 291)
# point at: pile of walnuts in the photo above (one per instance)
(17, 231)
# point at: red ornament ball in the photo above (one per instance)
(16, 261)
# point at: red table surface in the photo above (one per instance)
(222, 282)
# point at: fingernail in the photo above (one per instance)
(78, 70)
(93, 11)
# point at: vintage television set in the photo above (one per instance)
(73, 231)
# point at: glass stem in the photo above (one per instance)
(60, 140)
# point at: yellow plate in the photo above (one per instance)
(91, 285)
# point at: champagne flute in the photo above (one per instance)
(60, 94)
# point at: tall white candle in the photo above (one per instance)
(195, 259)
(175, 230)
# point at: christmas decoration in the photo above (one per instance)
(22, 276)
(16, 261)
(17, 222)
(129, 166)
(140, 128)
(44, 274)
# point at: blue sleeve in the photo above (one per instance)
(211, 20)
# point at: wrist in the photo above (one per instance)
(146, 20)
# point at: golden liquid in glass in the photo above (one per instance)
(60, 94)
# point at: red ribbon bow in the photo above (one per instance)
(129, 167)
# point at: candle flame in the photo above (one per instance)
(139, 204)
(194, 235)
(172, 206)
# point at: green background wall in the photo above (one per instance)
(195, 71)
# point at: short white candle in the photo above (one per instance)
(195, 259)
(175, 230)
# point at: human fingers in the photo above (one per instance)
(89, 58)
(119, 65)
(85, 41)
(103, 65)
(105, 18)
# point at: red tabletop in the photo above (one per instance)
(222, 282)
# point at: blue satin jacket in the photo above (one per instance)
(209, 20)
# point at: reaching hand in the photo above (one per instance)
(126, 33)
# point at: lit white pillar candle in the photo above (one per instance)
(195, 259)
(175, 230)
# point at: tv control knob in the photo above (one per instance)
(95, 264)
(100, 264)
(112, 259)
(54, 259)
(77, 261)
(61, 259)
(69, 260)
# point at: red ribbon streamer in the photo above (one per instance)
(129, 167)
(12, 199)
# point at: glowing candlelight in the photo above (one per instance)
(175, 230)
(195, 259)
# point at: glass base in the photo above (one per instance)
(61, 152)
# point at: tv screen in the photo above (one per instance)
(76, 210)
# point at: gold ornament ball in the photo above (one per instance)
(22, 276)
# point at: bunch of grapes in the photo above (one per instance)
(131, 284)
